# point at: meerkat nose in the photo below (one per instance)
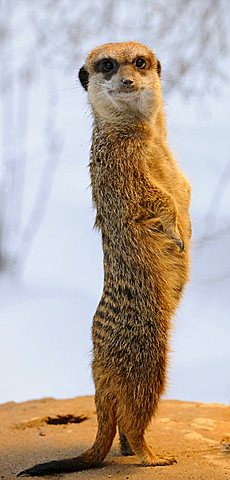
(127, 82)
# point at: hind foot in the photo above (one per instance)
(155, 461)
(126, 450)
(124, 443)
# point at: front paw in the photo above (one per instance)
(175, 237)
(166, 225)
(168, 229)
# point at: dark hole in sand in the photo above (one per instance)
(58, 420)
(65, 419)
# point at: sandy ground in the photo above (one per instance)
(197, 434)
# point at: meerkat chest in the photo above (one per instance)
(114, 169)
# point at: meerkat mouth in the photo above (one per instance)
(122, 92)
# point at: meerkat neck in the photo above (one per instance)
(134, 128)
(160, 125)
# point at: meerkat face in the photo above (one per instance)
(123, 81)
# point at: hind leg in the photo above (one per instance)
(145, 453)
(134, 421)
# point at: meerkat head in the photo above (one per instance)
(123, 81)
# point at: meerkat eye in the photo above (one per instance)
(107, 65)
(140, 62)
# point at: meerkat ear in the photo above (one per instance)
(158, 68)
(83, 76)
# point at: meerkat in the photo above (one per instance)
(142, 210)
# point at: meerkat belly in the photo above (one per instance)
(128, 313)
(116, 327)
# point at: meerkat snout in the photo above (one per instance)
(127, 82)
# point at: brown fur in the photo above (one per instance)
(142, 201)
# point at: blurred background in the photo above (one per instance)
(50, 257)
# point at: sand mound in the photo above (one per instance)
(197, 434)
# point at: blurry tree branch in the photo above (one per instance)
(190, 38)
(221, 186)
(54, 143)
(214, 232)
(213, 236)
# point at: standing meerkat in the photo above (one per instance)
(142, 203)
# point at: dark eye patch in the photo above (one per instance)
(107, 66)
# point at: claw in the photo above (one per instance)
(180, 244)
(178, 241)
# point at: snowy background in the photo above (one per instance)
(51, 272)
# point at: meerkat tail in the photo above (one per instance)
(84, 461)
(89, 459)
